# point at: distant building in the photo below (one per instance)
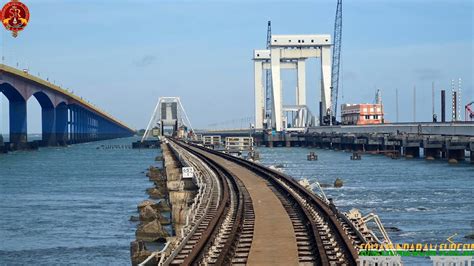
(361, 114)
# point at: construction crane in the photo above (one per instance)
(336, 58)
(268, 76)
(469, 112)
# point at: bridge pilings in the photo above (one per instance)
(374, 145)
(65, 117)
(455, 149)
(411, 146)
(18, 121)
(61, 125)
(48, 119)
(431, 147)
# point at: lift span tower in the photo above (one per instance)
(291, 52)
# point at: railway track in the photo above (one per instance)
(220, 227)
(225, 232)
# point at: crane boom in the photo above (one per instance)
(469, 112)
(268, 76)
(336, 57)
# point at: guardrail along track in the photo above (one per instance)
(220, 228)
(323, 236)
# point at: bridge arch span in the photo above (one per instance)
(12, 93)
(17, 113)
(65, 117)
(48, 118)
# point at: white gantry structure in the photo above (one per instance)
(291, 52)
(168, 112)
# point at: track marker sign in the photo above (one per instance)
(188, 172)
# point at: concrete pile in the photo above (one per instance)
(181, 191)
(169, 193)
(150, 217)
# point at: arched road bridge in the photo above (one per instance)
(66, 118)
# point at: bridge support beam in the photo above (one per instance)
(48, 119)
(326, 79)
(18, 120)
(411, 152)
(336, 144)
(455, 155)
(79, 125)
(432, 153)
(61, 125)
(259, 95)
(301, 79)
(72, 125)
(82, 126)
(75, 125)
(277, 119)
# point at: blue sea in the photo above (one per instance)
(72, 204)
(428, 201)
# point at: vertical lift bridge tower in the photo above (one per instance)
(169, 114)
(291, 51)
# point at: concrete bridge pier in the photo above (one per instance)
(309, 141)
(456, 155)
(373, 145)
(303, 143)
(359, 144)
(411, 146)
(61, 124)
(102, 129)
(455, 149)
(318, 142)
(48, 118)
(336, 143)
(84, 126)
(391, 143)
(348, 142)
(433, 147)
(72, 125)
(81, 129)
(471, 151)
(432, 153)
(77, 126)
(18, 129)
(411, 152)
(358, 147)
(326, 143)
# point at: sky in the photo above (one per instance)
(123, 55)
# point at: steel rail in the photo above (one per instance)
(329, 214)
(212, 230)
